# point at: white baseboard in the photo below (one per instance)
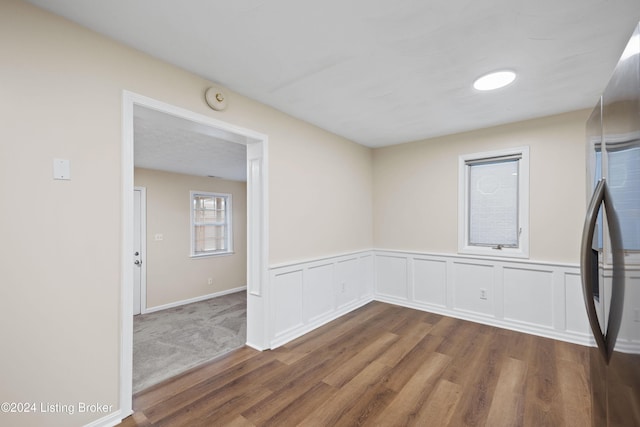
(196, 299)
(110, 420)
(253, 346)
(298, 332)
(575, 338)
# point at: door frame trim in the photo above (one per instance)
(143, 248)
(257, 231)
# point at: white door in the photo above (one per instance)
(139, 232)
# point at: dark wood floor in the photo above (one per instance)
(383, 365)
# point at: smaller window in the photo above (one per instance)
(494, 203)
(211, 230)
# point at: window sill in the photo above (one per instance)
(493, 252)
(212, 255)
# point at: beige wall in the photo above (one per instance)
(61, 96)
(416, 187)
(172, 274)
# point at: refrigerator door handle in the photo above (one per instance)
(617, 277)
(586, 258)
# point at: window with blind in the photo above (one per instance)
(493, 193)
(211, 230)
(624, 181)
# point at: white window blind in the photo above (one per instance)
(493, 202)
(624, 181)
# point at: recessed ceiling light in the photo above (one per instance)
(494, 80)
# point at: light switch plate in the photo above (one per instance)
(61, 169)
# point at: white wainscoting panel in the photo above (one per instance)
(308, 294)
(629, 334)
(430, 281)
(576, 315)
(391, 277)
(367, 290)
(318, 292)
(529, 296)
(288, 291)
(469, 280)
(347, 283)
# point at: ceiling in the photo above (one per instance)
(381, 72)
(174, 144)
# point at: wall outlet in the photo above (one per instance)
(343, 287)
(210, 281)
(158, 237)
(483, 294)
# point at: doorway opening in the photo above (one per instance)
(255, 162)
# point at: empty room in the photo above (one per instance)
(430, 210)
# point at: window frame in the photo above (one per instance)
(228, 223)
(465, 162)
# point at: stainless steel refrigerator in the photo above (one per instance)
(610, 252)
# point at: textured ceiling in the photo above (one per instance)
(173, 144)
(381, 72)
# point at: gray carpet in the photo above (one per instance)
(171, 341)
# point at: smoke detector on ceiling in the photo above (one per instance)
(216, 98)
